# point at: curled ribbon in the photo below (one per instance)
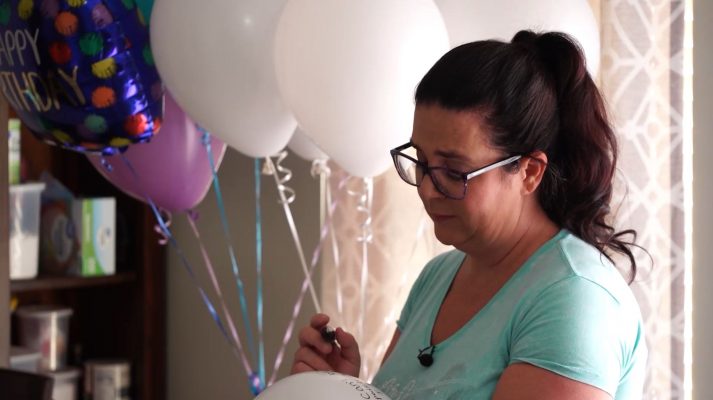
(320, 168)
(364, 202)
(167, 218)
(287, 195)
(365, 198)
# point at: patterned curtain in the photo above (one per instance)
(642, 80)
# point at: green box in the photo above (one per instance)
(13, 145)
(95, 223)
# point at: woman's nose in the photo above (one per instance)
(427, 189)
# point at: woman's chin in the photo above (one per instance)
(445, 236)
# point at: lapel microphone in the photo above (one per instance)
(425, 356)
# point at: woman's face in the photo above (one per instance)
(493, 200)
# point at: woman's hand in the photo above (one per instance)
(317, 354)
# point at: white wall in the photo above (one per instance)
(200, 363)
(702, 200)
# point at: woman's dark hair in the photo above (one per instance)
(535, 93)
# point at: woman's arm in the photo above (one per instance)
(524, 381)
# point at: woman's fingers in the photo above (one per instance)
(306, 359)
(319, 354)
(299, 367)
(349, 347)
(311, 336)
(318, 321)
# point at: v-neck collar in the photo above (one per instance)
(478, 315)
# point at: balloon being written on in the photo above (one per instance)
(321, 386)
(348, 70)
(471, 20)
(80, 74)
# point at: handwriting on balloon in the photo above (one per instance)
(365, 391)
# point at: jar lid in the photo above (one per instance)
(108, 364)
(64, 374)
(43, 311)
(27, 187)
(20, 354)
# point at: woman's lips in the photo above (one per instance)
(440, 217)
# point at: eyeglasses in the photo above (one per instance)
(448, 182)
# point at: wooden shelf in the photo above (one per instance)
(70, 282)
(119, 316)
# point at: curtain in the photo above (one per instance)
(642, 80)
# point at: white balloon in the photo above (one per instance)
(321, 386)
(216, 57)
(305, 147)
(471, 20)
(348, 70)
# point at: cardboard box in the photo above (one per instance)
(78, 236)
(58, 240)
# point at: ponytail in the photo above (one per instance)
(577, 192)
(536, 94)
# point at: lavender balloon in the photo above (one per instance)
(173, 167)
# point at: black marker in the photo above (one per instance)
(328, 334)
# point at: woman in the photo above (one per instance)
(513, 157)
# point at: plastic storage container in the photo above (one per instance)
(66, 383)
(45, 329)
(23, 359)
(107, 379)
(24, 229)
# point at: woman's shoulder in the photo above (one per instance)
(440, 268)
(583, 262)
(447, 261)
(447, 258)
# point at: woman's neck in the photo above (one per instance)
(510, 248)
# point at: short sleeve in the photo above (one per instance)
(577, 329)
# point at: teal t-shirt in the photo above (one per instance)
(567, 310)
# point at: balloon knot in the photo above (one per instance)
(255, 384)
(193, 215)
(205, 138)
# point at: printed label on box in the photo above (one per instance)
(13, 147)
(97, 250)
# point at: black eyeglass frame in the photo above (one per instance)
(465, 176)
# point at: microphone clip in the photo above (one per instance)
(425, 356)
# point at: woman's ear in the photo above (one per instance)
(532, 169)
